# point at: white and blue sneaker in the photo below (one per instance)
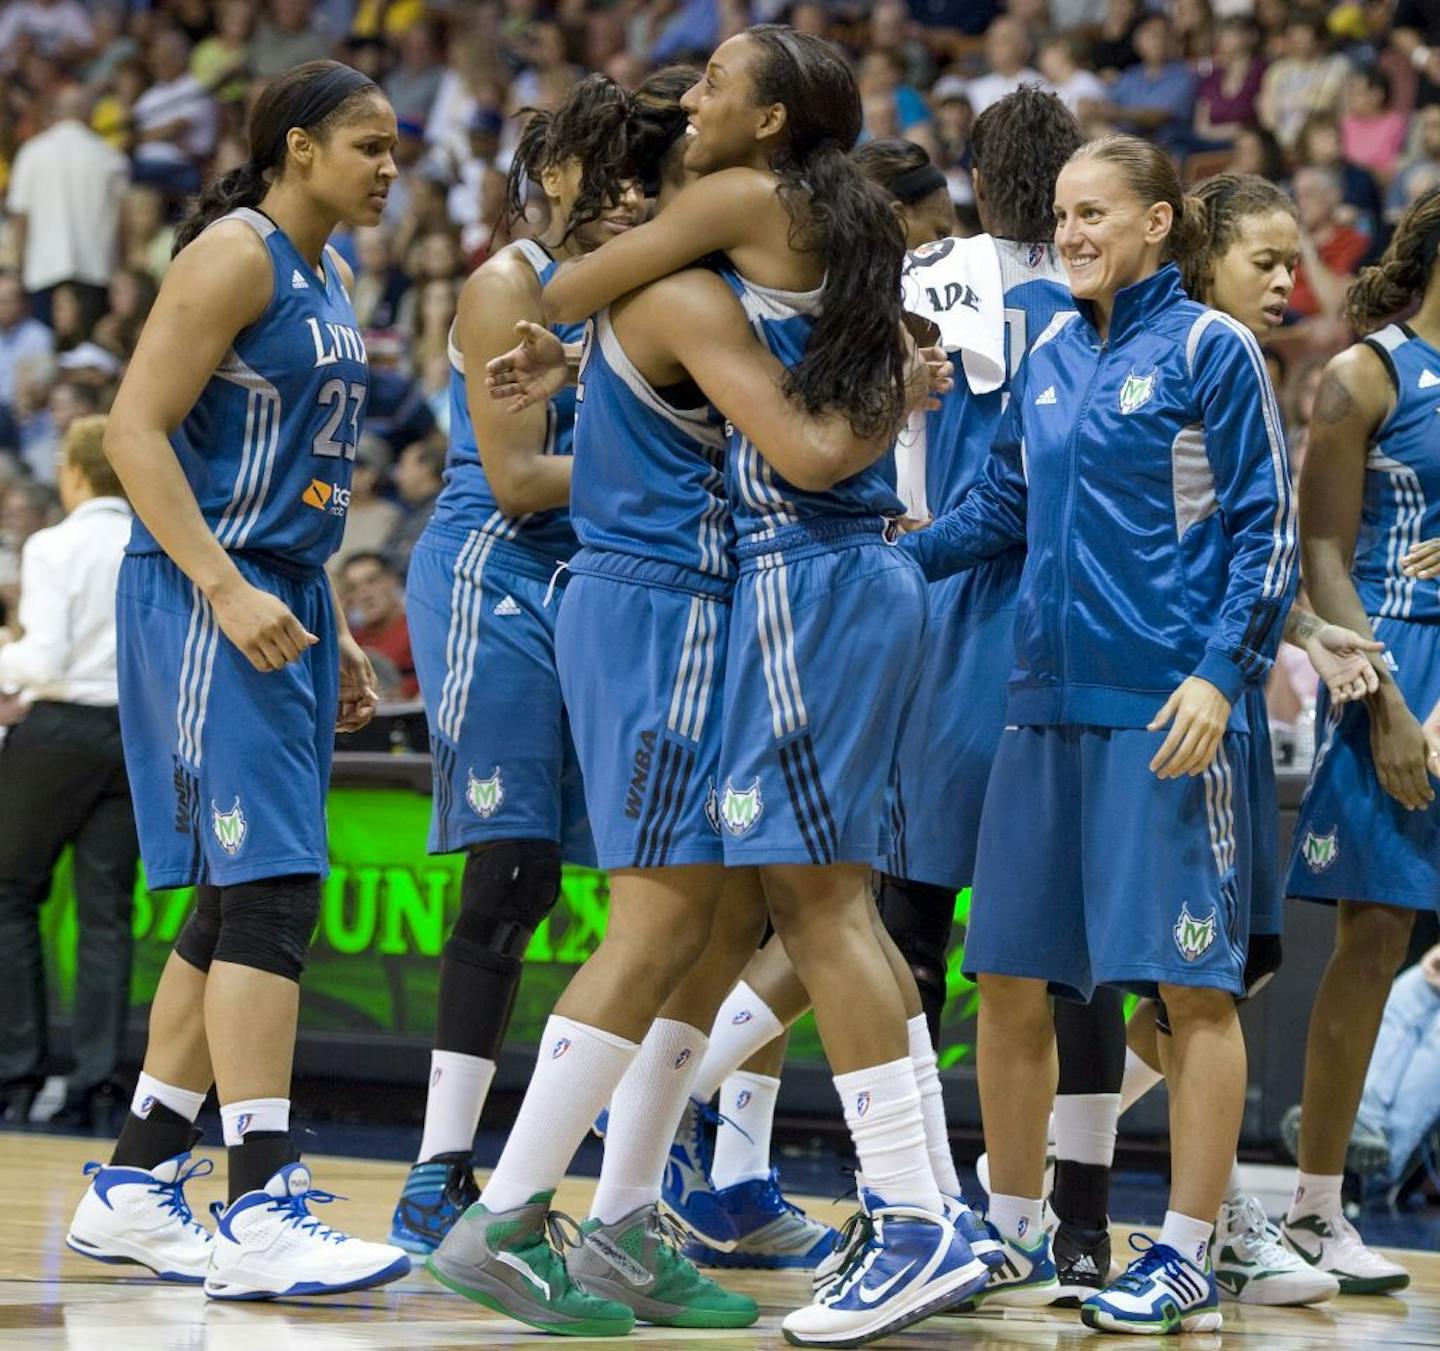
(268, 1245)
(436, 1194)
(1160, 1293)
(1025, 1277)
(770, 1232)
(913, 1264)
(140, 1216)
(688, 1190)
(984, 1242)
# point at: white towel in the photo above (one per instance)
(956, 283)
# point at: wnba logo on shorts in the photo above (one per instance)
(682, 1058)
(862, 1103)
(742, 1099)
(242, 1122)
(559, 1048)
(1320, 851)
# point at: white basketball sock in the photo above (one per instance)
(576, 1071)
(1234, 1188)
(882, 1110)
(742, 1140)
(645, 1113)
(1085, 1127)
(744, 1024)
(150, 1090)
(1017, 1218)
(932, 1105)
(1139, 1079)
(459, 1084)
(1316, 1194)
(1188, 1236)
(253, 1114)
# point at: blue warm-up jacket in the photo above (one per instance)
(1148, 478)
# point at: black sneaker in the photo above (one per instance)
(436, 1194)
(1082, 1262)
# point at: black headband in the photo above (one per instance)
(317, 101)
(917, 184)
(1429, 245)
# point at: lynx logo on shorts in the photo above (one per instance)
(1136, 392)
(742, 1099)
(485, 796)
(1194, 936)
(862, 1103)
(230, 828)
(740, 811)
(1320, 851)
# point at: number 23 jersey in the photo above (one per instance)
(269, 445)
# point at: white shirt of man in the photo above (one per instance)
(992, 88)
(68, 575)
(187, 100)
(68, 182)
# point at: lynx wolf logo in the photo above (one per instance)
(1136, 391)
(1320, 851)
(230, 828)
(1194, 936)
(740, 811)
(485, 796)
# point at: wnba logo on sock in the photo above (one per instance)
(1022, 1228)
(559, 1048)
(862, 1103)
(744, 1016)
(242, 1122)
(435, 1076)
(146, 1105)
(742, 1099)
(682, 1058)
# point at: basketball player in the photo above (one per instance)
(1368, 836)
(233, 433)
(1109, 656)
(482, 594)
(656, 565)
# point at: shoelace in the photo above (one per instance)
(563, 1229)
(294, 1208)
(1151, 1260)
(856, 1236)
(173, 1193)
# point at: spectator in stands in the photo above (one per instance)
(1330, 252)
(221, 62)
(64, 206)
(1114, 47)
(69, 316)
(1258, 152)
(1371, 129)
(176, 120)
(379, 282)
(1007, 54)
(68, 401)
(1079, 89)
(1155, 97)
(1228, 97)
(131, 296)
(891, 29)
(882, 87)
(1322, 146)
(59, 28)
(29, 505)
(21, 337)
(371, 518)
(145, 235)
(433, 314)
(374, 597)
(1305, 81)
(285, 37)
(396, 410)
(1421, 171)
(1415, 32)
(411, 87)
(419, 476)
(1194, 22)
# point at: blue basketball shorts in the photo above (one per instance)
(229, 766)
(953, 725)
(1091, 871)
(1353, 841)
(821, 669)
(482, 617)
(642, 665)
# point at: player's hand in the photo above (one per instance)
(359, 689)
(260, 625)
(533, 371)
(1423, 561)
(1197, 715)
(1339, 657)
(929, 375)
(1401, 751)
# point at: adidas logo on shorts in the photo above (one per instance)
(1047, 396)
(507, 607)
(297, 282)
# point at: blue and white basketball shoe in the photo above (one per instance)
(688, 1190)
(770, 1231)
(436, 1194)
(269, 1245)
(913, 1265)
(1161, 1292)
(1025, 1277)
(140, 1216)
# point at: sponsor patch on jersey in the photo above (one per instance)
(1137, 391)
(1194, 936)
(1320, 851)
(229, 827)
(485, 796)
(327, 497)
(741, 810)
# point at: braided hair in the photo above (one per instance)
(1226, 201)
(1404, 269)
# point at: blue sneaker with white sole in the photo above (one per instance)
(688, 1190)
(1025, 1278)
(1161, 1293)
(771, 1232)
(913, 1264)
(436, 1194)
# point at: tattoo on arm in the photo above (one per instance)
(1305, 625)
(1333, 403)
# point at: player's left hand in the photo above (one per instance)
(359, 689)
(1339, 657)
(1197, 715)
(1423, 561)
(533, 371)
(1431, 728)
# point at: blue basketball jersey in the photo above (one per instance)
(958, 433)
(268, 447)
(1402, 484)
(761, 499)
(466, 501)
(649, 478)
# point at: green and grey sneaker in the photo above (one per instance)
(506, 1260)
(636, 1262)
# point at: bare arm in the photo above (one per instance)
(522, 477)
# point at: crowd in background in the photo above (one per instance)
(112, 114)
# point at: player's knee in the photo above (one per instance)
(267, 925)
(1017, 1001)
(1190, 1005)
(1372, 940)
(507, 888)
(196, 941)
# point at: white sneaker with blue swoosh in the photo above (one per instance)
(914, 1264)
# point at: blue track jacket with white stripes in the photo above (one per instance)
(1148, 477)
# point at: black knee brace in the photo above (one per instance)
(507, 888)
(1262, 961)
(1090, 1043)
(267, 925)
(919, 916)
(196, 940)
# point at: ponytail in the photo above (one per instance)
(1404, 270)
(1189, 237)
(245, 186)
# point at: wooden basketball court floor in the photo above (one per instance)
(51, 1298)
